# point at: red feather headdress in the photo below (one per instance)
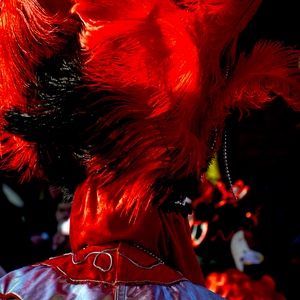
(159, 77)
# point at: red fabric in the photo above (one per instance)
(98, 219)
(114, 264)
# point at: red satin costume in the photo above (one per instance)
(135, 94)
(97, 228)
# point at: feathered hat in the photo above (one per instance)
(130, 94)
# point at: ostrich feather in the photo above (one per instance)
(270, 70)
(38, 46)
(29, 32)
(147, 87)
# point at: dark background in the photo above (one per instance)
(264, 152)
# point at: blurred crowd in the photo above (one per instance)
(33, 223)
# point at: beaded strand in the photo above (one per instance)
(226, 166)
(148, 252)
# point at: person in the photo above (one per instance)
(60, 239)
(55, 240)
(122, 105)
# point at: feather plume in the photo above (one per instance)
(162, 62)
(31, 33)
(223, 22)
(152, 87)
(269, 71)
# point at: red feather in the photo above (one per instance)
(269, 71)
(28, 33)
(161, 61)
